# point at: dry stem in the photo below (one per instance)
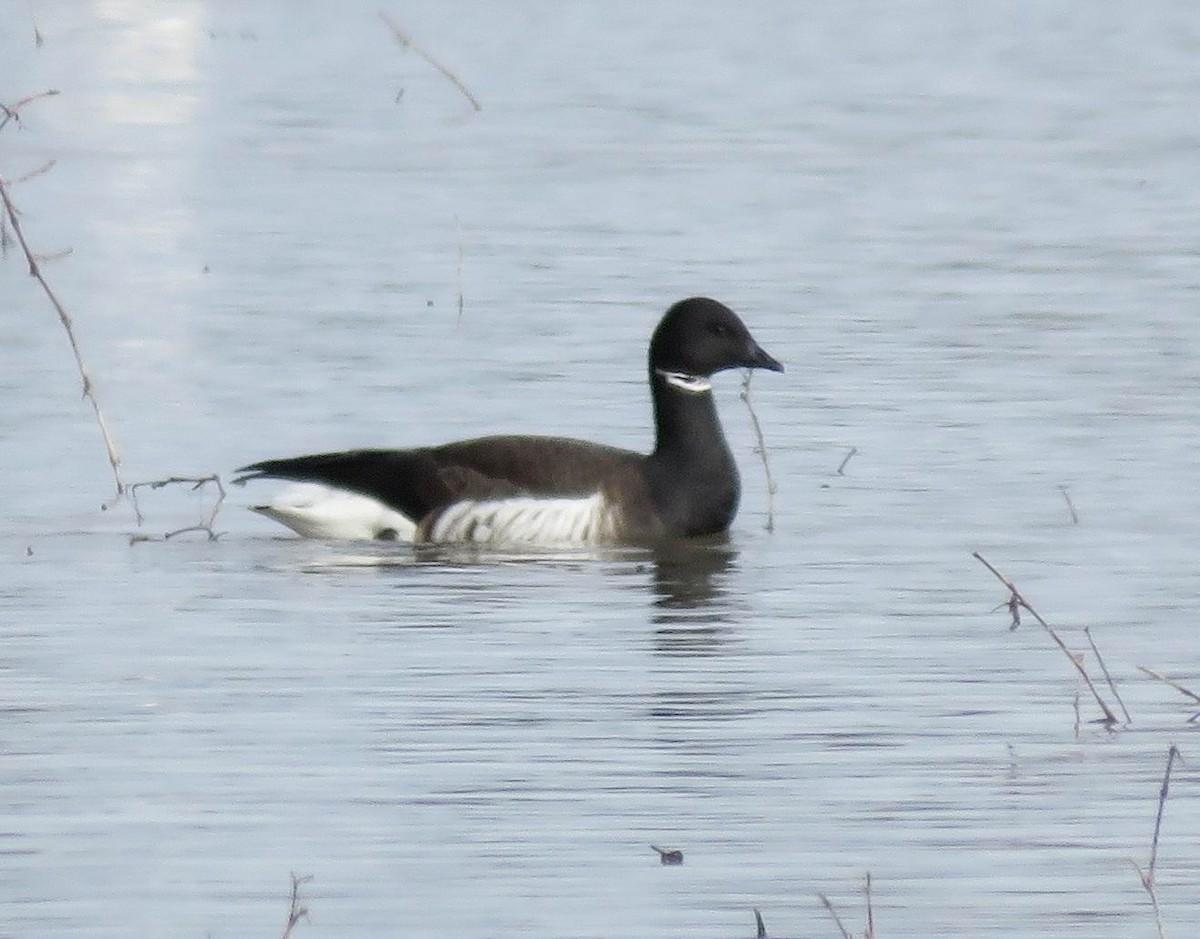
(1147, 875)
(841, 470)
(846, 934)
(11, 218)
(761, 449)
(1112, 686)
(33, 174)
(12, 112)
(760, 929)
(296, 912)
(404, 38)
(1174, 684)
(1015, 602)
(196, 482)
(870, 933)
(1070, 505)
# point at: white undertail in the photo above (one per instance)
(319, 512)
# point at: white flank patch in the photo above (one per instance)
(319, 512)
(527, 521)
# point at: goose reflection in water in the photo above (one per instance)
(693, 613)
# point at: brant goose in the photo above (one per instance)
(551, 490)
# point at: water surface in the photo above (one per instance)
(968, 233)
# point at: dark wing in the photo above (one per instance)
(416, 482)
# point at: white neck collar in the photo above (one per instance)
(692, 384)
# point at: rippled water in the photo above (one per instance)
(970, 235)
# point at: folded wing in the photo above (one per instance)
(420, 481)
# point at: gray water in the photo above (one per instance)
(969, 232)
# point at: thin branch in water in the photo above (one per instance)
(760, 929)
(1147, 875)
(1167, 681)
(1112, 686)
(196, 483)
(13, 216)
(1070, 505)
(846, 934)
(405, 39)
(1014, 610)
(296, 911)
(33, 174)
(12, 112)
(1164, 790)
(870, 933)
(841, 470)
(1015, 602)
(1174, 684)
(38, 39)
(761, 449)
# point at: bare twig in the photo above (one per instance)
(12, 112)
(1070, 505)
(11, 217)
(1167, 681)
(760, 448)
(1014, 610)
(841, 470)
(195, 482)
(1164, 790)
(870, 933)
(846, 934)
(1147, 875)
(404, 38)
(760, 929)
(1016, 601)
(1174, 684)
(33, 174)
(1112, 686)
(296, 911)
